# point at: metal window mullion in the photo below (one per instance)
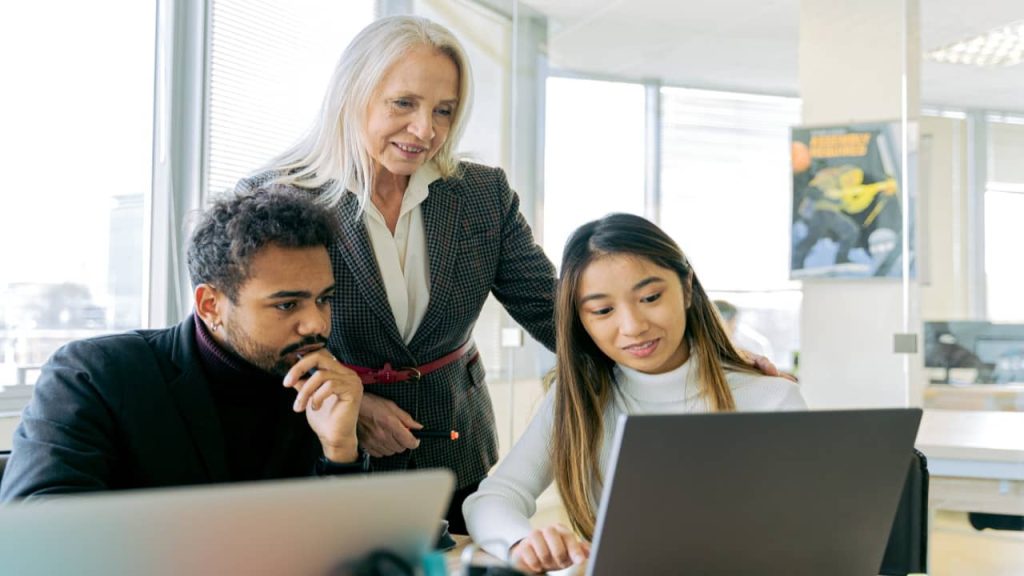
(652, 151)
(977, 176)
(177, 153)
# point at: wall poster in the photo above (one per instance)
(847, 204)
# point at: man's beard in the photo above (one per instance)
(264, 357)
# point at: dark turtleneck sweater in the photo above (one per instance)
(263, 437)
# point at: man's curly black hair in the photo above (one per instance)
(238, 226)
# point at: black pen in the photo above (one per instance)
(450, 434)
(311, 371)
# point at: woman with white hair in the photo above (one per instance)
(424, 239)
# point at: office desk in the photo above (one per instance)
(1005, 397)
(976, 460)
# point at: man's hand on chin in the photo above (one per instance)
(329, 394)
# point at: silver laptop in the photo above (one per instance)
(753, 493)
(309, 527)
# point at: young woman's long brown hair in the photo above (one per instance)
(584, 373)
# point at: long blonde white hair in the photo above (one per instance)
(334, 152)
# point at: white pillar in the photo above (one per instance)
(859, 62)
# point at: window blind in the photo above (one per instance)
(725, 184)
(269, 65)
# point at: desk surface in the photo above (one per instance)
(971, 435)
(980, 389)
(976, 460)
(1006, 397)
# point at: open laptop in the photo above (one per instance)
(753, 493)
(310, 526)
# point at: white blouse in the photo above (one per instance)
(402, 256)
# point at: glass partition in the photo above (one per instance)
(972, 91)
(716, 99)
(717, 175)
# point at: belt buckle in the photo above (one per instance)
(386, 375)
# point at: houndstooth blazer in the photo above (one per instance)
(477, 243)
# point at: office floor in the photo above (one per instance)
(960, 550)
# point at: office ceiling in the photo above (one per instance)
(752, 45)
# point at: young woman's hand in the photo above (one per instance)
(552, 548)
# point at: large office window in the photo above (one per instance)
(77, 117)
(1004, 211)
(269, 65)
(594, 155)
(725, 184)
(726, 197)
(724, 194)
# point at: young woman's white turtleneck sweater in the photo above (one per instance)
(498, 513)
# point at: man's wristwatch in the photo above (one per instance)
(325, 467)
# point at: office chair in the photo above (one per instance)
(983, 520)
(907, 551)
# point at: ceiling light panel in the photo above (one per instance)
(1001, 46)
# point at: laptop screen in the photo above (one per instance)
(298, 526)
(744, 493)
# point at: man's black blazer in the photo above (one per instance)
(131, 410)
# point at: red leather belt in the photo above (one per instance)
(389, 375)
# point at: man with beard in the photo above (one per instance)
(242, 389)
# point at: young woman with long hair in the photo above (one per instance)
(635, 333)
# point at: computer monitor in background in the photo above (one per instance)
(992, 349)
(1006, 355)
(993, 353)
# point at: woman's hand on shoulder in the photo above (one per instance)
(765, 366)
(552, 548)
